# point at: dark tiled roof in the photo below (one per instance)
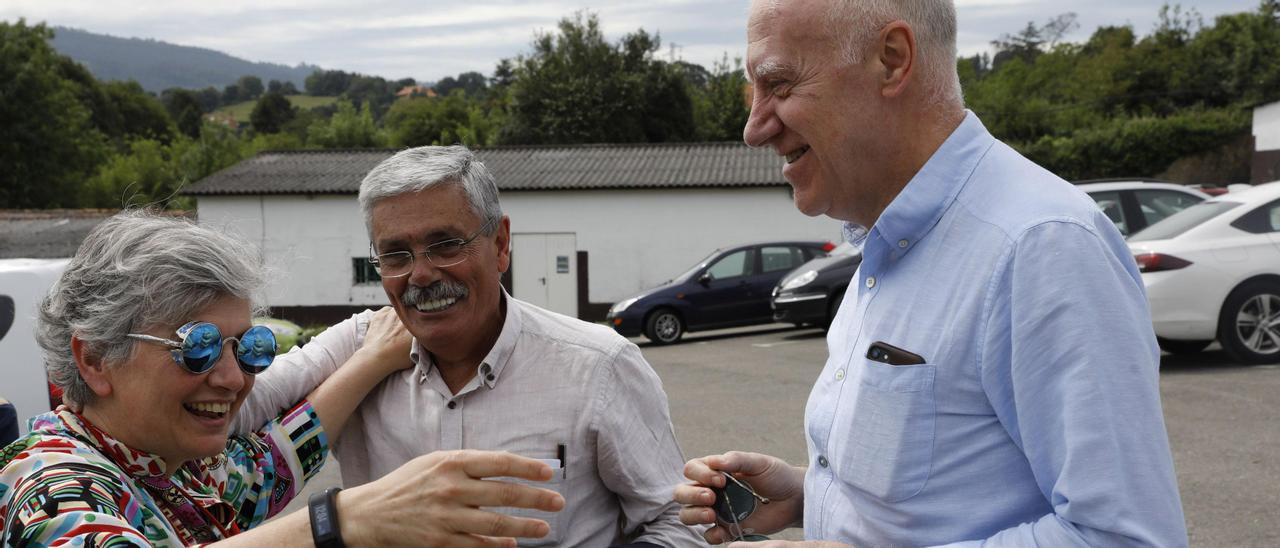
(568, 167)
(48, 234)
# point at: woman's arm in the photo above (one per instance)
(299, 371)
(385, 351)
(267, 469)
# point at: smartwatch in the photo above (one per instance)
(323, 508)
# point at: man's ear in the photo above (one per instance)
(503, 242)
(92, 369)
(897, 57)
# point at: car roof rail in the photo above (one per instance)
(1123, 180)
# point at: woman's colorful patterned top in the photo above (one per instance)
(67, 483)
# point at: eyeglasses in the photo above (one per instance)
(201, 346)
(440, 254)
(734, 504)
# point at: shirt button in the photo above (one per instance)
(490, 377)
(871, 282)
(903, 244)
(453, 404)
(822, 461)
(840, 374)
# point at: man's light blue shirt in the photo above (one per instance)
(1035, 419)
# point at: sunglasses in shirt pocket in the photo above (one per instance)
(888, 449)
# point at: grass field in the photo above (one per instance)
(241, 111)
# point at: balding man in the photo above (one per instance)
(993, 378)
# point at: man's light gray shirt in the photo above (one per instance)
(548, 380)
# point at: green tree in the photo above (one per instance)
(142, 116)
(472, 83)
(250, 87)
(210, 99)
(232, 94)
(271, 113)
(441, 121)
(348, 128)
(48, 143)
(185, 109)
(328, 82)
(575, 87)
(720, 105)
(145, 175)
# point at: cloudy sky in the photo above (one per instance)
(430, 39)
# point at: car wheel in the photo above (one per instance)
(833, 306)
(1249, 327)
(1181, 347)
(664, 326)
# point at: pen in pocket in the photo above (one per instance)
(560, 455)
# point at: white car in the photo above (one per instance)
(1135, 205)
(1212, 271)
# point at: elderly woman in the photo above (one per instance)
(148, 334)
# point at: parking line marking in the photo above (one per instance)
(771, 345)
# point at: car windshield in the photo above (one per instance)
(697, 266)
(1182, 221)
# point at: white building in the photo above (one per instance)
(591, 224)
(1266, 143)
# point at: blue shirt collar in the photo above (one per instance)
(917, 209)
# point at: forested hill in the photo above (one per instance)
(161, 65)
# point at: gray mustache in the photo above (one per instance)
(443, 289)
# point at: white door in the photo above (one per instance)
(545, 271)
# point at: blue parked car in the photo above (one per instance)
(730, 288)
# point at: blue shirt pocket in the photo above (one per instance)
(889, 447)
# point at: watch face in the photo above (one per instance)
(324, 520)
(734, 503)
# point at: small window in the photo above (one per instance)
(773, 259)
(732, 265)
(1263, 220)
(1110, 204)
(1158, 204)
(364, 271)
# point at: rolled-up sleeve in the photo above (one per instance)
(638, 457)
(295, 374)
(263, 471)
(1071, 367)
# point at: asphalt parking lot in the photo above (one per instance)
(745, 389)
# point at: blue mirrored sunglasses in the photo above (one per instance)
(200, 346)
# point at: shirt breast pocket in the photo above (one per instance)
(889, 447)
(556, 483)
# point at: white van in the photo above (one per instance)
(23, 283)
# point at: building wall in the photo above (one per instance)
(1266, 127)
(635, 239)
(1266, 135)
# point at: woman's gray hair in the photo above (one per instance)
(855, 23)
(417, 169)
(136, 271)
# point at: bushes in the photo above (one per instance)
(1136, 146)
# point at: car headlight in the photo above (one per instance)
(800, 281)
(622, 305)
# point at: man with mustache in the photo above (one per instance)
(492, 372)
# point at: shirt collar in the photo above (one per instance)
(917, 209)
(490, 368)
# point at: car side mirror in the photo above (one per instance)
(705, 278)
